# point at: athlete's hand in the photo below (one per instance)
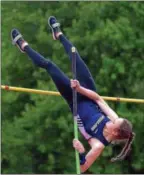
(78, 146)
(75, 84)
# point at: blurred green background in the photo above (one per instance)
(37, 130)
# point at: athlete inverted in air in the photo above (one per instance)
(97, 122)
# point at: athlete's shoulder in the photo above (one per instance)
(94, 142)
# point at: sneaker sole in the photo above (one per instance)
(51, 28)
(16, 43)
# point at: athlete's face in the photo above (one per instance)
(116, 126)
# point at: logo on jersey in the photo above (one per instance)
(97, 123)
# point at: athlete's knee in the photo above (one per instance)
(43, 63)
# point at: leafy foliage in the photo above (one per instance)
(37, 131)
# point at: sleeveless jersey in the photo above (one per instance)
(91, 121)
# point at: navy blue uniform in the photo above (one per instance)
(91, 120)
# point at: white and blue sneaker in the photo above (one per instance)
(18, 40)
(55, 26)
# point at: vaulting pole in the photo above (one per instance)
(75, 108)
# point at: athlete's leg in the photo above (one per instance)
(61, 81)
(83, 73)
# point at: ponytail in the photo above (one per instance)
(125, 149)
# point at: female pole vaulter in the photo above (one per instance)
(97, 122)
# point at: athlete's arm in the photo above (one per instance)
(95, 97)
(89, 93)
(91, 156)
(107, 110)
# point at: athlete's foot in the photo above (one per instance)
(18, 40)
(55, 27)
(78, 146)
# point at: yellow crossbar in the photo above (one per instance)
(19, 89)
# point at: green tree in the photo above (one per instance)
(37, 131)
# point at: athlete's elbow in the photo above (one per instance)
(84, 167)
(97, 98)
